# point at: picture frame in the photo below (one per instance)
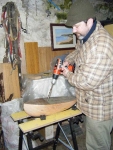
(62, 37)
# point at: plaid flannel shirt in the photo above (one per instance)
(93, 76)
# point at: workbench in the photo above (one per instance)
(27, 125)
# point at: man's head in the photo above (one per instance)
(81, 10)
(80, 17)
(82, 28)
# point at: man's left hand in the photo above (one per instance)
(65, 70)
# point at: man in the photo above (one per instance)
(93, 76)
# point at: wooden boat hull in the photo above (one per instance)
(45, 106)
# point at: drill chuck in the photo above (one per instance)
(55, 76)
(53, 81)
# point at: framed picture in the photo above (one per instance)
(62, 37)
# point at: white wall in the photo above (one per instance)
(38, 24)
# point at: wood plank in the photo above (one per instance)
(32, 59)
(10, 81)
(19, 115)
(38, 123)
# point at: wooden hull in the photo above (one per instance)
(45, 106)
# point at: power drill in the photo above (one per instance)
(57, 71)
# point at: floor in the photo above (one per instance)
(80, 137)
(80, 140)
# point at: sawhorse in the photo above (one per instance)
(27, 127)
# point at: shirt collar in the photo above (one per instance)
(90, 32)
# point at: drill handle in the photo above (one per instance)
(71, 68)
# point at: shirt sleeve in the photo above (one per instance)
(91, 74)
(71, 57)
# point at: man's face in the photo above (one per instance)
(80, 29)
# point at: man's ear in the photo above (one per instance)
(90, 23)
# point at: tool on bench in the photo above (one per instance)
(57, 71)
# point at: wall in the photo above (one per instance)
(37, 22)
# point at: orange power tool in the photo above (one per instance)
(57, 71)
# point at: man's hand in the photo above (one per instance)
(65, 63)
(65, 70)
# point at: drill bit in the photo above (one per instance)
(50, 91)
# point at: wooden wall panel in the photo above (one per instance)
(46, 55)
(38, 59)
(32, 60)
